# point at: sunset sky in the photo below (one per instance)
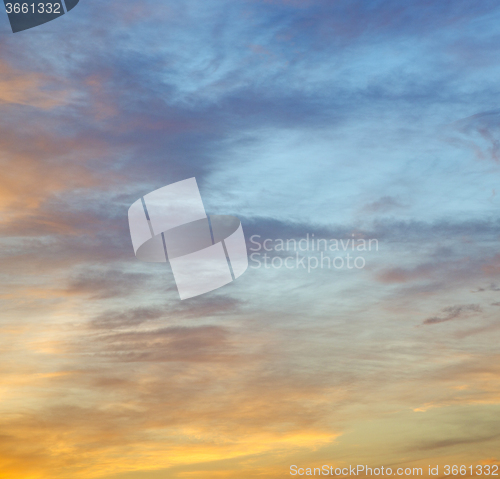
(338, 118)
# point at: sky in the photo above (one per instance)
(342, 119)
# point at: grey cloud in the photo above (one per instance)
(490, 287)
(481, 133)
(126, 319)
(383, 205)
(455, 441)
(454, 312)
(104, 284)
(206, 307)
(386, 230)
(207, 343)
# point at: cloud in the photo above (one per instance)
(199, 344)
(454, 312)
(207, 308)
(104, 284)
(490, 287)
(480, 133)
(432, 445)
(383, 205)
(30, 89)
(128, 318)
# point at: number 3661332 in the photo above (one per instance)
(33, 7)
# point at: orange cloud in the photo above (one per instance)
(31, 89)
